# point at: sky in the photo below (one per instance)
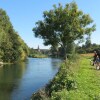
(24, 14)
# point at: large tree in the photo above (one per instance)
(63, 25)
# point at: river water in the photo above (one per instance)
(19, 81)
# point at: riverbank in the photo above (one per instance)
(4, 63)
(38, 56)
(62, 80)
(76, 80)
(1, 63)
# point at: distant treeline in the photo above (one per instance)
(38, 53)
(88, 48)
(12, 47)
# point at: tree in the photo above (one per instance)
(63, 25)
(88, 42)
(12, 47)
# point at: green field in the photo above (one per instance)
(87, 80)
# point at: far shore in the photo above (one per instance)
(4, 63)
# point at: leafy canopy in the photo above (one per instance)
(12, 47)
(63, 25)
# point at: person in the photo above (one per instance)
(98, 53)
(97, 62)
(94, 57)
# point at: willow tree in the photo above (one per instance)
(64, 25)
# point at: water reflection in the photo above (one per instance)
(19, 81)
(10, 76)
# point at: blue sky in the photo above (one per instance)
(24, 13)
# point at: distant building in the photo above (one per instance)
(38, 49)
(44, 51)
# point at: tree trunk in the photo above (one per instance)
(64, 53)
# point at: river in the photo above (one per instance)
(19, 81)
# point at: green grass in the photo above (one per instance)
(88, 82)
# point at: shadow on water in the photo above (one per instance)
(9, 79)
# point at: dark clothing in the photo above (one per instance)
(97, 60)
(95, 56)
(98, 53)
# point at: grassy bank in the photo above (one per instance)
(88, 82)
(76, 80)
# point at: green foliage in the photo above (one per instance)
(62, 81)
(61, 95)
(88, 42)
(87, 48)
(63, 25)
(40, 95)
(12, 47)
(36, 54)
(54, 51)
(1, 54)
